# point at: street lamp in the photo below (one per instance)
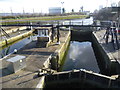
(118, 17)
(62, 7)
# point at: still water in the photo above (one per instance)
(88, 21)
(17, 45)
(81, 56)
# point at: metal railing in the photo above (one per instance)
(114, 37)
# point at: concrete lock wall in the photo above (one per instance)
(101, 56)
(62, 79)
(115, 68)
(84, 78)
(57, 58)
(103, 60)
(108, 66)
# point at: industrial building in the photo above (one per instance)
(55, 10)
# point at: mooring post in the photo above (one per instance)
(31, 26)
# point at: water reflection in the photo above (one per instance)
(80, 56)
(18, 45)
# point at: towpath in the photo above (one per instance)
(35, 57)
(112, 53)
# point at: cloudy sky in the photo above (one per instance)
(42, 5)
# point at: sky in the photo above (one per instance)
(42, 6)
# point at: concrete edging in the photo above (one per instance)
(51, 57)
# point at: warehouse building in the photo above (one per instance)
(55, 10)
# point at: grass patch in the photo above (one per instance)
(36, 19)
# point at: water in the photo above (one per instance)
(88, 21)
(80, 56)
(18, 45)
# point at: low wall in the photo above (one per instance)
(13, 39)
(57, 58)
(101, 56)
(110, 65)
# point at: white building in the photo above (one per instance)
(119, 4)
(55, 10)
(87, 12)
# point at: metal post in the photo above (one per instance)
(107, 35)
(62, 7)
(70, 23)
(31, 26)
(58, 34)
(52, 36)
(82, 22)
(118, 17)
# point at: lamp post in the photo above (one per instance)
(118, 17)
(62, 7)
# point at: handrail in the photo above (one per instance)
(4, 32)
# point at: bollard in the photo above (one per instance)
(15, 51)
